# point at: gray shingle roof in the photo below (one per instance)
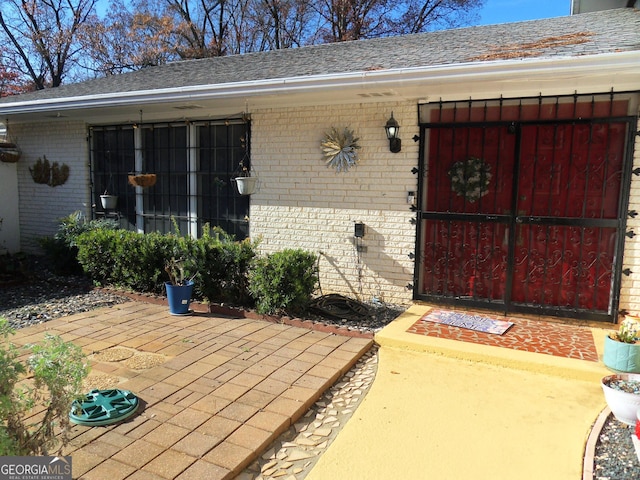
(585, 34)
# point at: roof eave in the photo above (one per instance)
(531, 68)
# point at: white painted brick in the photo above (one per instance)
(630, 286)
(42, 206)
(326, 204)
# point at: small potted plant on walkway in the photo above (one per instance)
(179, 288)
(622, 348)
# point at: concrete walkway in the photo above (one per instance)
(216, 391)
(443, 409)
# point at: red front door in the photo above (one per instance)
(523, 216)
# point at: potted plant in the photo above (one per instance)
(622, 348)
(109, 202)
(179, 288)
(622, 393)
(143, 180)
(245, 183)
(9, 152)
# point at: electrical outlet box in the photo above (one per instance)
(358, 230)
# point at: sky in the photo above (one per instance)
(503, 11)
(494, 11)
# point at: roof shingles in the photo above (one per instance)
(585, 34)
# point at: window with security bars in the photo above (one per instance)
(193, 164)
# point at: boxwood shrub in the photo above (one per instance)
(283, 282)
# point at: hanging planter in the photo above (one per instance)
(143, 180)
(109, 202)
(9, 152)
(246, 185)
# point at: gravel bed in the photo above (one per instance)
(35, 299)
(615, 456)
(39, 297)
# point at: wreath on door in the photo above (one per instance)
(470, 178)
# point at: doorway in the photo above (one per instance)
(523, 204)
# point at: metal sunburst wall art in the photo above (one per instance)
(340, 148)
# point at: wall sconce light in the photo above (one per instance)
(393, 134)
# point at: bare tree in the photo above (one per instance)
(281, 23)
(346, 20)
(43, 36)
(127, 40)
(426, 15)
(358, 19)
(11, 81)
(200, 26)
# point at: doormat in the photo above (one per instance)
(468, 321)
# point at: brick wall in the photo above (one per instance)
(41, 206)
(302, 203)
(630, 288)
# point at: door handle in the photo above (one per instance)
(519, 220)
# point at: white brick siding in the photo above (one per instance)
(630, 289)
(41, 206)
(302, 203)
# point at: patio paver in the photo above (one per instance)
(227, 389)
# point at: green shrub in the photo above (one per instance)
(126, 259)
(223, 267)
(283, 282)
(57, 369)
(62, 249)
(218, 264)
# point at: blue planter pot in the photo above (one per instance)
(623, 357)
(179, 297)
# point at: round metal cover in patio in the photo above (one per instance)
(103, 407)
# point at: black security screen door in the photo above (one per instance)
(523, 205)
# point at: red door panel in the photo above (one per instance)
(523, 214)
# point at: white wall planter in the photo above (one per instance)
(246, 185)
